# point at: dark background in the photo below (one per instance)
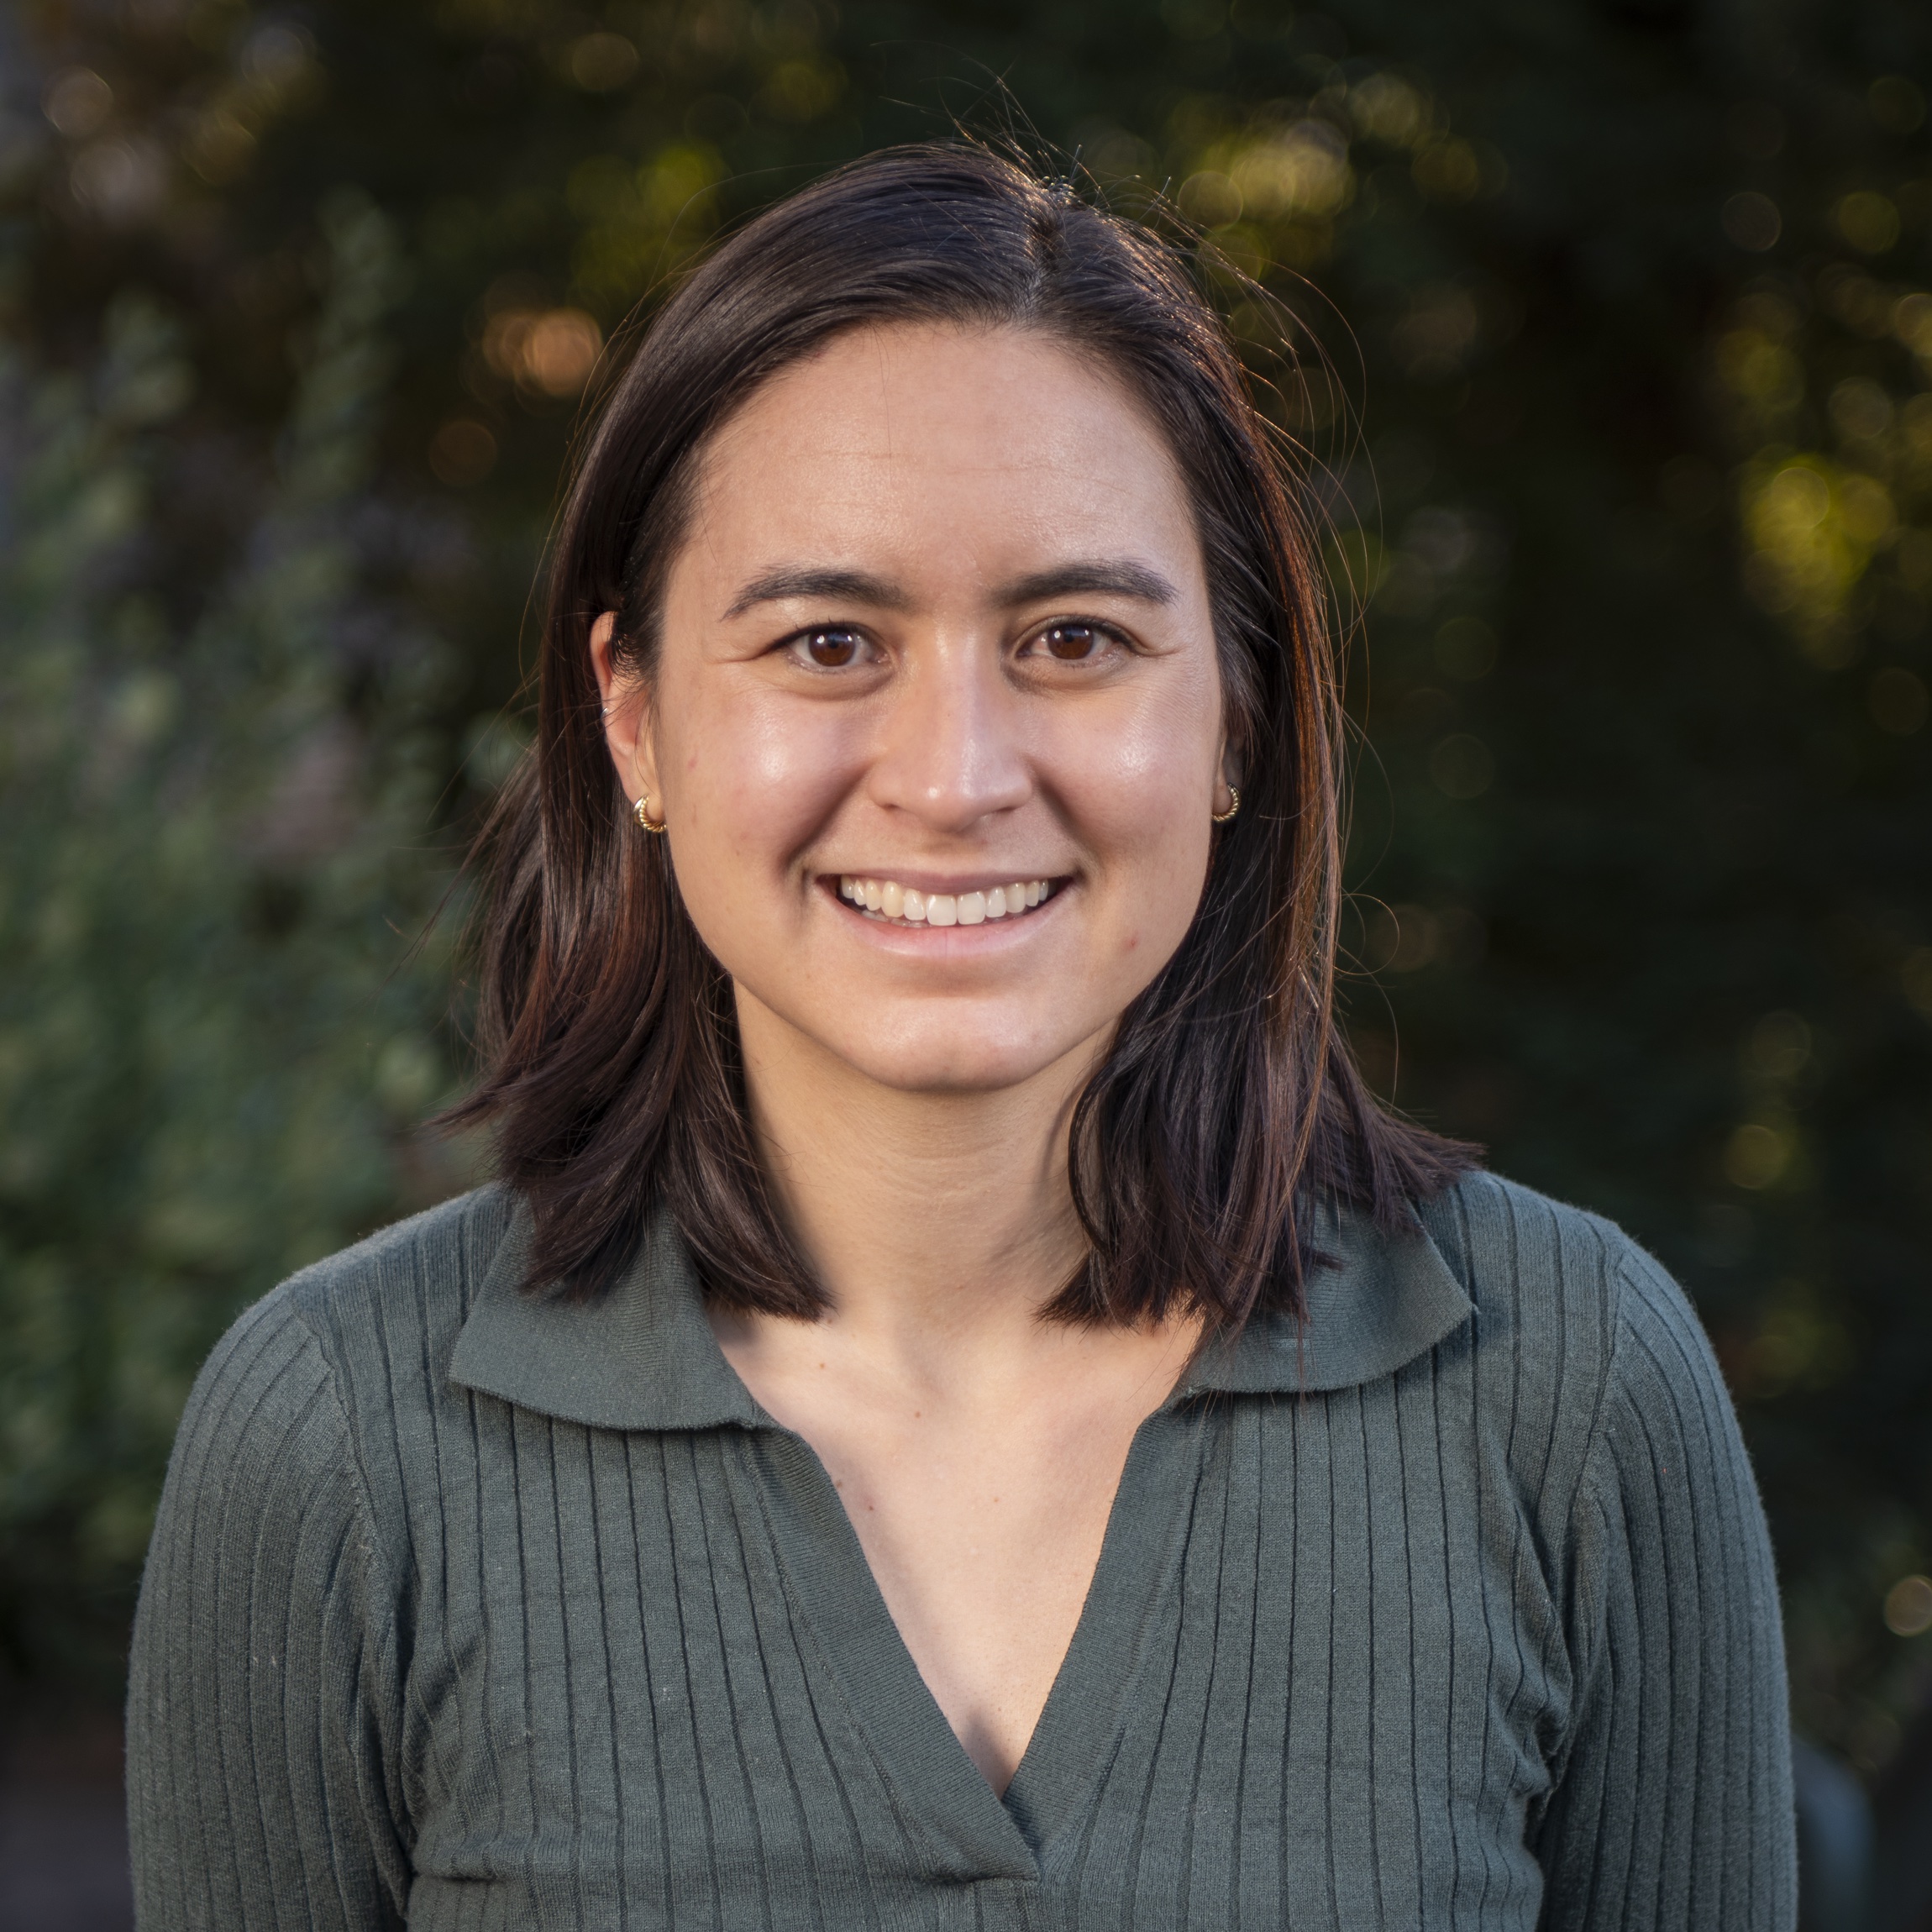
(1611, 330)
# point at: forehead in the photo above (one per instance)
(1005, 437)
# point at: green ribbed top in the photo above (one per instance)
(1453, 1610)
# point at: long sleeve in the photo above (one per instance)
(263, 1685)
(1673, 1809)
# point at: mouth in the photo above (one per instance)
(893, 904)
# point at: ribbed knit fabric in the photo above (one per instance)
(1457, 1611)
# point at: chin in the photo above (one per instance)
(963, 1061)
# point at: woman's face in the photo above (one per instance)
(940, 624)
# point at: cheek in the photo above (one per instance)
(1141, 790)
(751, 778)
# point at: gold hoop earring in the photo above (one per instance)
(1222, 817)
(643, 809)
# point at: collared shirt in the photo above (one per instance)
(1452, 1607)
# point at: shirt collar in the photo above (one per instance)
(1379, 1299)
(643, 1356)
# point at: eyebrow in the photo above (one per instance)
(841, 586)
(1120, 577)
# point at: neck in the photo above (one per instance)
(938, 1223)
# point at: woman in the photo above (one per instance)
(960, 1409)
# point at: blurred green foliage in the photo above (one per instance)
(207, 1048)
(1611, 330)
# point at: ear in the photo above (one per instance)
(1226, 776)
(627, 719)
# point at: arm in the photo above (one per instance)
(263, 1691)
(1673, 1811)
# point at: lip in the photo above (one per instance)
(929, 883)
(895, 935)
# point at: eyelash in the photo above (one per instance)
(801, 641)
(1104, 632)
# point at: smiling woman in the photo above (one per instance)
(935, 526)
(960, 1409)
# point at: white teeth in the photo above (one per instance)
(886, 896)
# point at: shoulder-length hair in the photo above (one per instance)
(1228, 1103)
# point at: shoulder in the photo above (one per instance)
(1551, 1277)
(358, 1339)
(1518, 1249)
(1591, 1328)
(406, 1289)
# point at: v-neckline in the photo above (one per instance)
(841, 1605)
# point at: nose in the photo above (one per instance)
(949, 751)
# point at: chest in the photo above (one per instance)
(982, 1533)
(1317, 1679)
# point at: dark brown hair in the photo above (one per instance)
(1228, 1100)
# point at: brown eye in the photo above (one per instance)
(832, 650)
(1071, 644)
